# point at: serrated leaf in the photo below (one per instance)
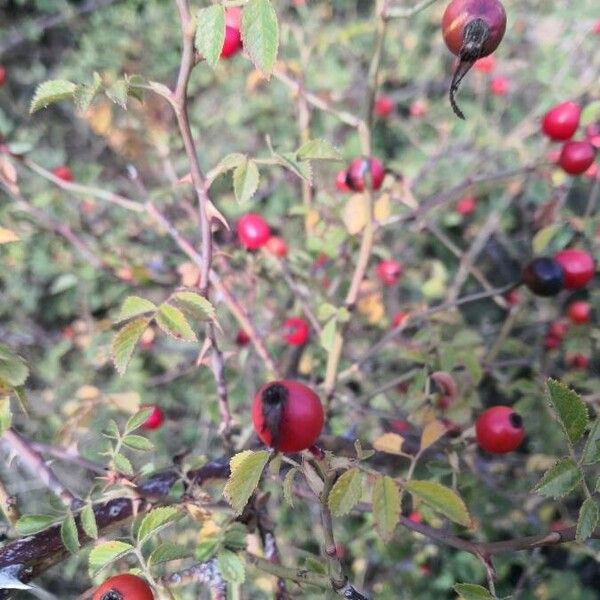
(386, 506)
(288, 160)
(318, 149)
(173, 322)
(560, 479)
(196, 306)
(591, 450)
(85, 94)
(442, 499)
(432, 432)
(390, 443)
(125, 341)
(156, 520)
(13, 368)
(245, 180)
(235, 537)
(275, 464)
(138, 442)
(346, 493)
(231, 566)
(227, 163)
(29, 524)
(123, 464)
(88, 522)
(206, 549)
(137, 420)
(134, 306)
(246, 470)
(328, 335)
(69, 534)
(570, 408)
(288, 486)
(589, 518)
(165, 552)
(210, 33)
(260, 34)
(5, 413)
(50, 92)
(107, 553)
(118, 93)
(472, 591)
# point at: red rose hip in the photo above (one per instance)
(579, 312)
(389, 271)
(358, 170)
(499, 86)
(296, 331)
(384, 106)
(63, 173)
(2, 76)
(576, 157)
(155, 418)
(124, 587)
(341, 182)
(253, 231)
(287, 415)
(276, 246)
(233, 38)
(466, 206)
(499, 430)
(561, 121)
(578, 267)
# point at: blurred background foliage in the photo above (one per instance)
(57, 310)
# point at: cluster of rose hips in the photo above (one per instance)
(560, 124)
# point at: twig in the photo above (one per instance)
(8, 504)
(206, 573)
(397, 12)
(68, 456)
(218, 369)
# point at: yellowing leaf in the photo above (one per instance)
(441, 499)
(99, 118)
(246, 469)
(355, 214)
(370, 304)
(7, 236)
(386, 506)
(346, 492)
(391, 443)
(382, 208)
(432, 433)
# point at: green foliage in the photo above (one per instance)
(246, 470)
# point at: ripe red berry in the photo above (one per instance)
(389, 271)
(287, 415)
(596, 27)
(242, 338)
(155, 418)
(499, 430)
(499, 86)
(466, 205)
(341, 182)
(576, 157)
(415, 517)
(472, 29)
(578, 267)
(543, 276)
(486, 64)
(592, 134)
(513, 297)
(233, 38)
(579, 361)
(357, 170)
(63, 173)
(562, 121)
(399, 318)
(277, 247)
(124, 587)
(399, 425)
(384, 106)
(551, 342)
(579, 312)
(558, 329)
(418, 109)
(296, 331)
(253, 231)
(2, 76)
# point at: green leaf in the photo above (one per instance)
(107, 553)
(245, 180)
(560, 479)
(589, 518)
(136, 421)
(5, 413)
(138, 442)
(30, 524)
(13, 369)
(206, 549)
(123, 464)
(50, 92)
(134, 306)
(288, 160)
(85, 94)
(227, 163)
(590, 113)
(196, 306)
(570, 408)
(543, 237)
(156, 520)
(173, 322)
(125, 341)
(210, 33)
(473, 366)
(591, 451)
(288, 486)
(118, 92)
(246, 469)
(69, 534)
(327, 337)
(88, 522)
(260, 34)
(346, 493)
(442, 499)
(318, 149)
(235, 537)
(471, 591)
(386, 506)
(166, 552)
(231, 566)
